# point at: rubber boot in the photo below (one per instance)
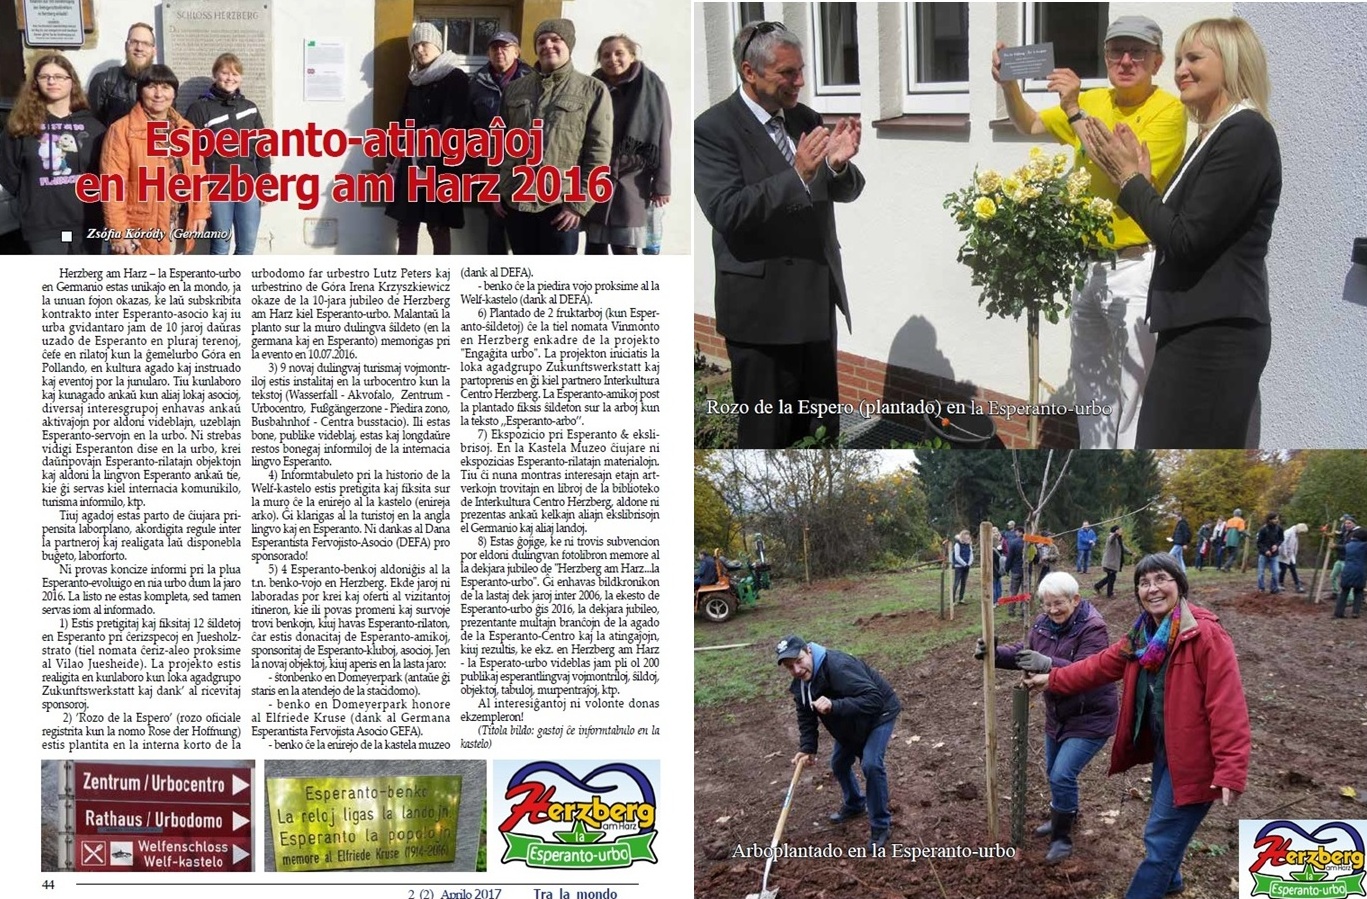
(1062, 846)
(1047, 828)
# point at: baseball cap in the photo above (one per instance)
(505, 37)
(790, 647)
(1141, 27)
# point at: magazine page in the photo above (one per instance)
(352, 549)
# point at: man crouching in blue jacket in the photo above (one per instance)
(859, 709)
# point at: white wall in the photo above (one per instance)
(1312, 386)
(912, 303)
(660, 28)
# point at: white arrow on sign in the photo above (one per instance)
(238, 820)
(239, 854)
(239, 785)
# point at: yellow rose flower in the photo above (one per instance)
(1011, 183)
(984, 208)
(989, 181)
(1101, 206)
(1036, 152)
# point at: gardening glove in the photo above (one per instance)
(1034, 662)
(980, 649)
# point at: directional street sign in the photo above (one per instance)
(153, 817)
(178, 854)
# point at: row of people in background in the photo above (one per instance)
(1182, 709)
(617, 118)
(58, 132)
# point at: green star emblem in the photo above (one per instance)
(578, 834)
(1308, 873)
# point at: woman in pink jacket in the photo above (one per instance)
(1183, 710)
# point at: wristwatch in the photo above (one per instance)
(1077, 116)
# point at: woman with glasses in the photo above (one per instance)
(51, 138)
(1208, 297)
(1075, 727)
(158, 225)
(1183, 710)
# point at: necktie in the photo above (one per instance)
(780, 138)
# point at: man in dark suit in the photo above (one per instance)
(767, 176)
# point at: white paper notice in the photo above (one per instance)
(324, 62)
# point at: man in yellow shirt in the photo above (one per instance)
(1112, 344)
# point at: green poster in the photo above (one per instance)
(326, 823)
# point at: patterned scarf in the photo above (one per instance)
(1150, 649)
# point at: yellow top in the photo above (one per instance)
(1160, 122)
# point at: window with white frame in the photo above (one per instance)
(937, 57)
(1077, 31)
(466, 29)
(835, 30)
(745, 13)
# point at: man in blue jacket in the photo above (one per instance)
(859, 709)
(1086, 539)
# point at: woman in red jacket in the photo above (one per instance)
(1183, 710)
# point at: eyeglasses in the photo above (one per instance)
(1158, 580)
(145, 45)
(760, 28)
(1138, 54)
(52, 79)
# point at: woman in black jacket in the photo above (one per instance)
(51, 138)
(223, 108)
(1208, 298)
(438, 96)
(641, 128)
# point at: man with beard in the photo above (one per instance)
(114, 92)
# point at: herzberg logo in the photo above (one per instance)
(1303, 859)
(558, 820)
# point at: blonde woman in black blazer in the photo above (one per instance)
(1208, 298)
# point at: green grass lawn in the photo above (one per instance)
(837, 613)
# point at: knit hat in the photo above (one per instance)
(562, 27)
(425, 32)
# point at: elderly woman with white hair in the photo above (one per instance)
(1075, 727)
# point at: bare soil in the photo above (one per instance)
(1305, 676)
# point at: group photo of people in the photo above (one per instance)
(837, 292)
(605, 121)
(1063, 653)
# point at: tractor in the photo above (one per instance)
(738, 585)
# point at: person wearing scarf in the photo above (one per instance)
(438, 96)
(1068, 630)
(1184, 710)
(641, 127)
(223, 108)
(577, 131)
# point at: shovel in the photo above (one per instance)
(764, 891)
